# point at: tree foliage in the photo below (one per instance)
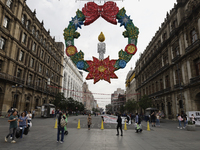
(145, 102)
(131, 105)
(67, 104)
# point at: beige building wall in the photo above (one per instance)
(168, 70)
(29, 57)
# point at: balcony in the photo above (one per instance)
(195, 80)
(29, 85)
(176, 58)
(194, 45)
(8, 77)
(167, 90)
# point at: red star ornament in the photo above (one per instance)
(101, 69)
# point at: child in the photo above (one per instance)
(138, 128)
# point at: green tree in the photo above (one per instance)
(145, 102)
(122, 109)
(60, 101)
(131, 105)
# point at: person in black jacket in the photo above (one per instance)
(60, 129)
(119, 125)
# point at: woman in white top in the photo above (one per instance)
(193, 119)
(29, 116)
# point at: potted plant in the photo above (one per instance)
(190, 126)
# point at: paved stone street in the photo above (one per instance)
(43, 136)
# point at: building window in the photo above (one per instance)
(41, 39)
(24, 38)
(48, 59)
(33, 46)
(178, 76)
(194, 36)
(36, 34)
(156, 86)
(19, 72)
(2, 43)
(167, 81)
(8, 3)
(40, 67)
(28, 25)
(44, 43)
(6, 22)
(197, 66)
(31, 62)
(57, 79)
(47, 72)
(21, 55)
(30, 78)
(39, 81)
(41, 54)
(52, 76)
(23, 19)
(152, 88)
(33, 31)
(1, 62)
(161, 84)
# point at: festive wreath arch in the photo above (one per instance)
(101, 69)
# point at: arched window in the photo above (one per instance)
(194, 36)
(37, 34)
(44, 42)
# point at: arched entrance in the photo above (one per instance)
(197, 101)
(27, 104)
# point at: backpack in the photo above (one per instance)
(62, 122)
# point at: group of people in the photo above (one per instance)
(16, 121)
(183, 118)
(155, 119)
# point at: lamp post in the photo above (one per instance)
(15, 96)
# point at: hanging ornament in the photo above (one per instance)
(101, 69)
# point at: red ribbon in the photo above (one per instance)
(108, 11)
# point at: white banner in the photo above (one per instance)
(196, 116)
(113, 119)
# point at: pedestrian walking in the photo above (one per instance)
(61, 125)
(22, 122)
(33, 113)
(157, 119)
(153, 119)
(185, 121)
(119, 125)
(29, 117)
(13, 126)
(193, 119)
(180, 119)
(89, 120)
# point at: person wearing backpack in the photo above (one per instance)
(61, 125)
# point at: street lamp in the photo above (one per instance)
(15, 96)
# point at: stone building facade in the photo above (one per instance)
(117, 99)
(88, 98)
(131, 86)
(168, 71)
(30, 59)
(72, 80)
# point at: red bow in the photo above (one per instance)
(92, 12)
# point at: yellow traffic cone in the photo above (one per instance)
(148, 128)
(79, 125)
(125, 127)
(102, 125)
(56, 124)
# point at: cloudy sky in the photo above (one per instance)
(147, 15)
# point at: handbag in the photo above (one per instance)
(18, 133)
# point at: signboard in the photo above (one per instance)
(113, 119)
(196, 115)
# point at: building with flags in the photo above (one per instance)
(30, 60)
